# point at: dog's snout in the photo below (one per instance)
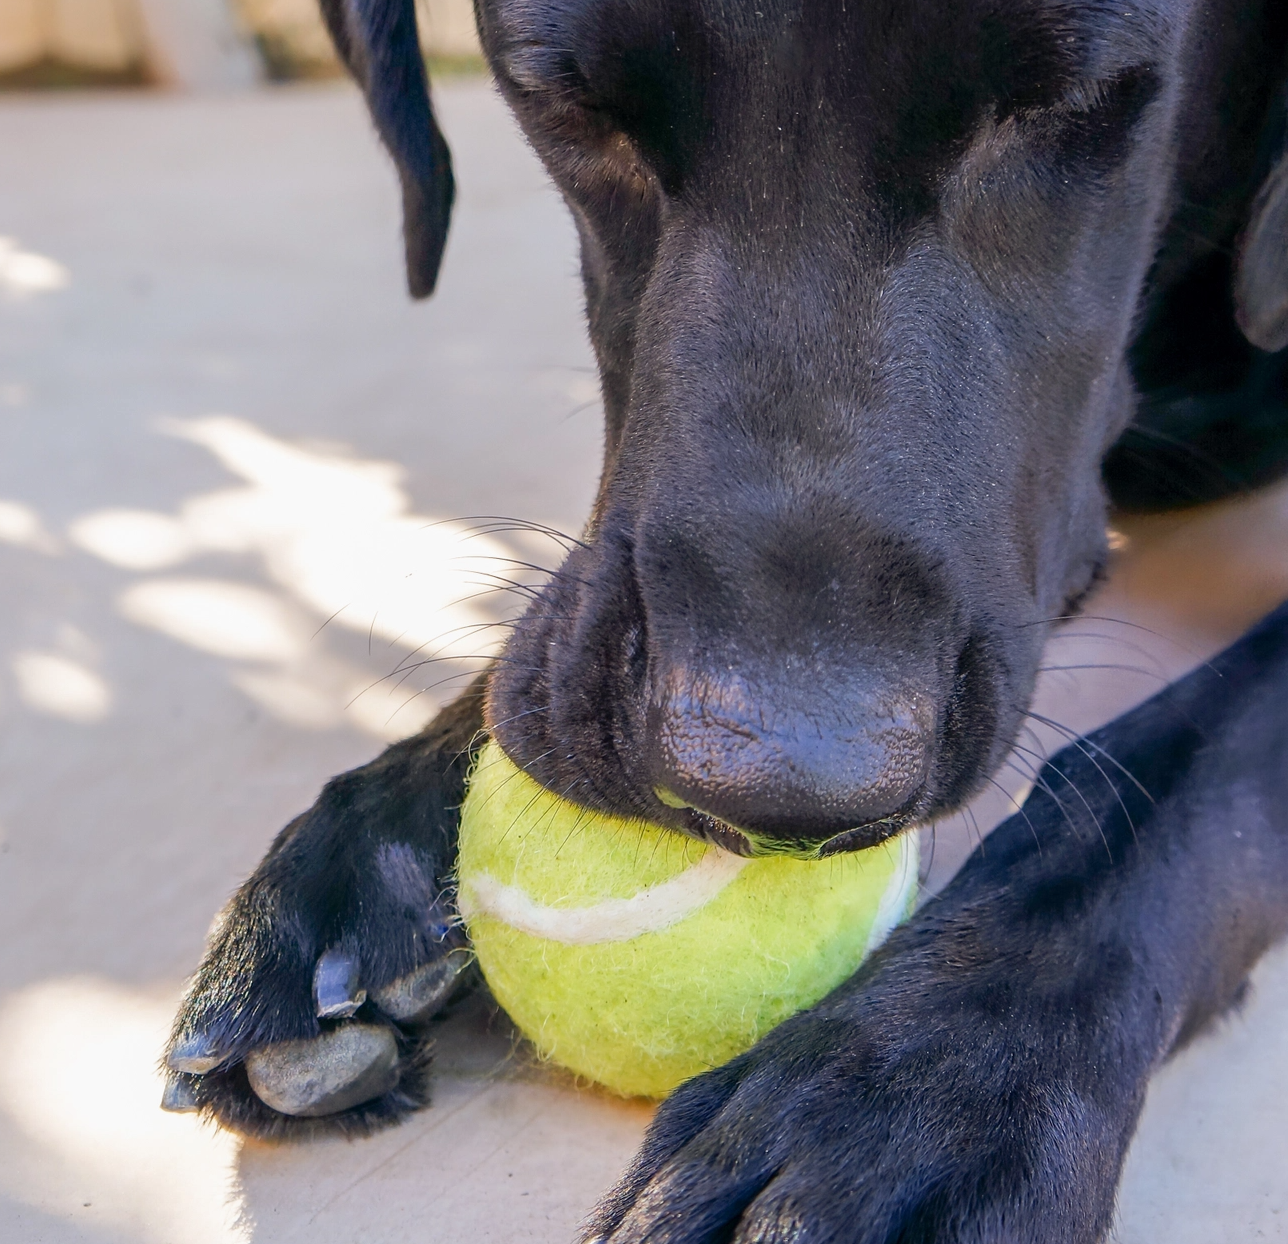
(789, 778)
(777, 710)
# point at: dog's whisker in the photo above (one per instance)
(1103, 665)
(408, 670)
(1070, 681)
(450, 636)
(580, 407)
(450, 678)
(483, 576)
(1090, 617)
(1087, 748)
(513, 523)
(527, 591)
(516, 771)
(969, 812)
(328, 622)
(1081, 741)
(1118, 640)
(1035, 777)
(527, 712)
(1019, 810)
(1137, 626)
(582, 813)
(513, 561)
(1038, 742)
(482, 656)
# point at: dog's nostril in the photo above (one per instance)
(792, 779)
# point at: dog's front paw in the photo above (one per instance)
(308, 1010)
(879, 1118)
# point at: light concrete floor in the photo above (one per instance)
(231, 454)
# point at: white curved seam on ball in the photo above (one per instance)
(894, 902)
(613, 919)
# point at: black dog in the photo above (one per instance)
(884, 295)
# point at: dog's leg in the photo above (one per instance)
(981, 1077)
(326, 962)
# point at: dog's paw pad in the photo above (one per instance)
(415, 998)
(324, 1075)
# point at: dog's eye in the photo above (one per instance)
(539, 69)
(1094, 121)
(621, 128)
(647, 89)
(578, 129)
(1117, 100)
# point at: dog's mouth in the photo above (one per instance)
(707, 828)
(719, 833)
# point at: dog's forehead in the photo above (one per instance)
(1010, 46)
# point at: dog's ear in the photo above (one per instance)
(378, 41)
(1261, 272)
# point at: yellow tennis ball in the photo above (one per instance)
(638, 957)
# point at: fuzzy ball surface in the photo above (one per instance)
(637, 957)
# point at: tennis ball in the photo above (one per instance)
(638, 957)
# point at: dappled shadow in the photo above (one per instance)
(332, 546)
(337, 548)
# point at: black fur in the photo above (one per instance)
(877, 289)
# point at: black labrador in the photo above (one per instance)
(889, 298)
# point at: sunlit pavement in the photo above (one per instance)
(241, 481)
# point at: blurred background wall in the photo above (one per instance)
(193, 44)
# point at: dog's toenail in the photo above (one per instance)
(326, 1074)
(414, 998)
(195, 1054)
(179, 1097)
(335, 985)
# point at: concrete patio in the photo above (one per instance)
(239, 481)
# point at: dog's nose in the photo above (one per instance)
(789, 778)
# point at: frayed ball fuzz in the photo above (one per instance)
(637, 957)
